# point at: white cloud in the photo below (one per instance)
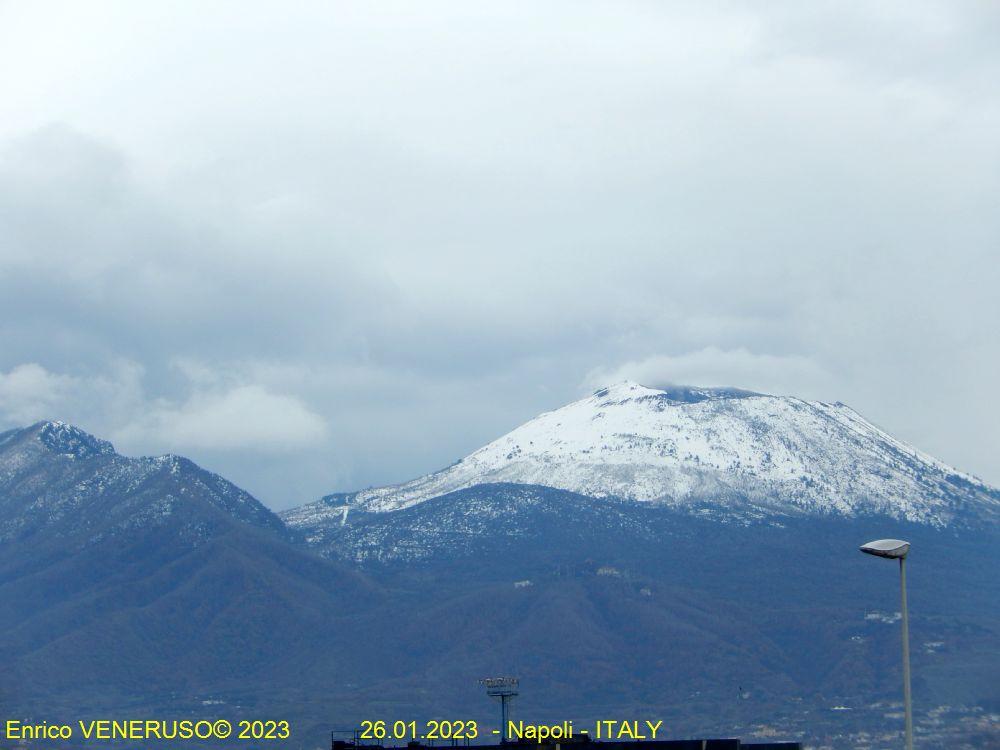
(421, 226)
(245, 417)
(28, 392)
(218, 414)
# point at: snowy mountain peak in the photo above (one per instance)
(67, 440)
(52, 471)
(686, 447)
(682, 394)
(625, 389)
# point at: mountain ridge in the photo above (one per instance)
(685, 445)
(50, 471)
(144, 582)
(135, 579)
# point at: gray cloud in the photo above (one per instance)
(385, 234)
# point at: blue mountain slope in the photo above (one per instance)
(129, 580)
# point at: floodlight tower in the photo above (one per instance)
(504, 689)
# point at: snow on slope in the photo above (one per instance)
(682, 446)
(54, 474)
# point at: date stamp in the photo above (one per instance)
(435, 729)
(401, 730)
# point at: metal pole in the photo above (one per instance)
(908, 708)
(503, 718)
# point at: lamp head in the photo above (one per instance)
(891, 548)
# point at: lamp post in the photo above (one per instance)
(896, 549)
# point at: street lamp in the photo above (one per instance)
(898, 549)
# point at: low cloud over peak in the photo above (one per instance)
(389, 236)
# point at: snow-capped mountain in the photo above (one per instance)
(150, 581)
(682, 447)
(129, 580)
(56, 476)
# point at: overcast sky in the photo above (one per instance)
(320, 246)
